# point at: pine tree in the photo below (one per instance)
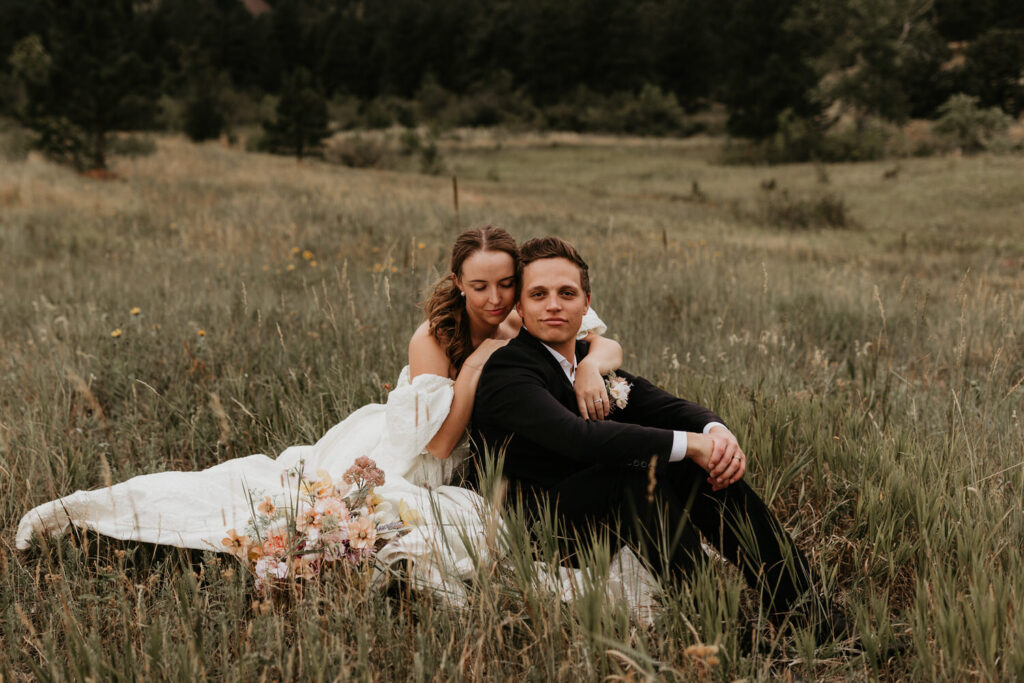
(301, 121)
(96, 82)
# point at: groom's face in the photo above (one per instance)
(552, 302)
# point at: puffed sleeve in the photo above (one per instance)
(591, 323)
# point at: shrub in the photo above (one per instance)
(170, 113)
(654, 112)
(61, 141)
(431, 161)
(409, 142)
(15, 141)
(651, 112)
(497, 102)
(203, 118)
(344, 112)
(132, 145)
(386, 111)
(969, 126)
(356, 151)
(827, 210)
(432, 98)
(866, 142)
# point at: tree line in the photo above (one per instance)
(75, 69)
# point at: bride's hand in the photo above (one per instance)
(478, 358)
(591, 392)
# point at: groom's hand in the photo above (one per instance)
(727, 463)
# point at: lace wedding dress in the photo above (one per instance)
(195, 509)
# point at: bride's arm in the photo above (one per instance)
(605, 355)
(427, 357)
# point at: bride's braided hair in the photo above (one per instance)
(446, 308)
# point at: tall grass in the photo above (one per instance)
(873, 376)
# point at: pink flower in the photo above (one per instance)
(332, 507)
(271, 567)
(274, 545)
(362, 533)
(306, 517)
(364, 473)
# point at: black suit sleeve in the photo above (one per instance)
(513, 398)
(655, 407)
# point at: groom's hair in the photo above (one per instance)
(550, 247)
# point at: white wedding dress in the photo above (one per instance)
(195, 509)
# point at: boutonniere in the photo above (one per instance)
(618, 389)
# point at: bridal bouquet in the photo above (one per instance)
(318, 524)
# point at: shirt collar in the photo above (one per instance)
(568, 368)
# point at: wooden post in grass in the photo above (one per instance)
(455, 199)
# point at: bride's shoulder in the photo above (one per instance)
(426, 354)
(424, 340)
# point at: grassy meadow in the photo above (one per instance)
(209, 303)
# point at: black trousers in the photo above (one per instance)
(663, 522)
(663, 518)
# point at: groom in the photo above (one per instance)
(594, 475)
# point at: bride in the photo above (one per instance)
(417, 438)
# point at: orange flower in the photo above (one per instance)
(201, 333)
(117, 333)
(306, 517)
(135, 311)
(267, 507)
(236, 545)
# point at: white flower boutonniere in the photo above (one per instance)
(618, 389)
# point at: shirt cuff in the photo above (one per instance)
(678, 447)
(710, 425)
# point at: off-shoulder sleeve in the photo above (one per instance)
(591, 323)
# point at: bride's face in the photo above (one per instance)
(488, 280)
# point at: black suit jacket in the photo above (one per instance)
(526, 404)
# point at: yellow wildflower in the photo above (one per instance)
(421, 245)
(295, 250)
(312, 264)
(308, 255)
(117, 333)
(201, 333)
(135, 311)
(409, 516)
(291, 266)
(372, 500)
(394, 269)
